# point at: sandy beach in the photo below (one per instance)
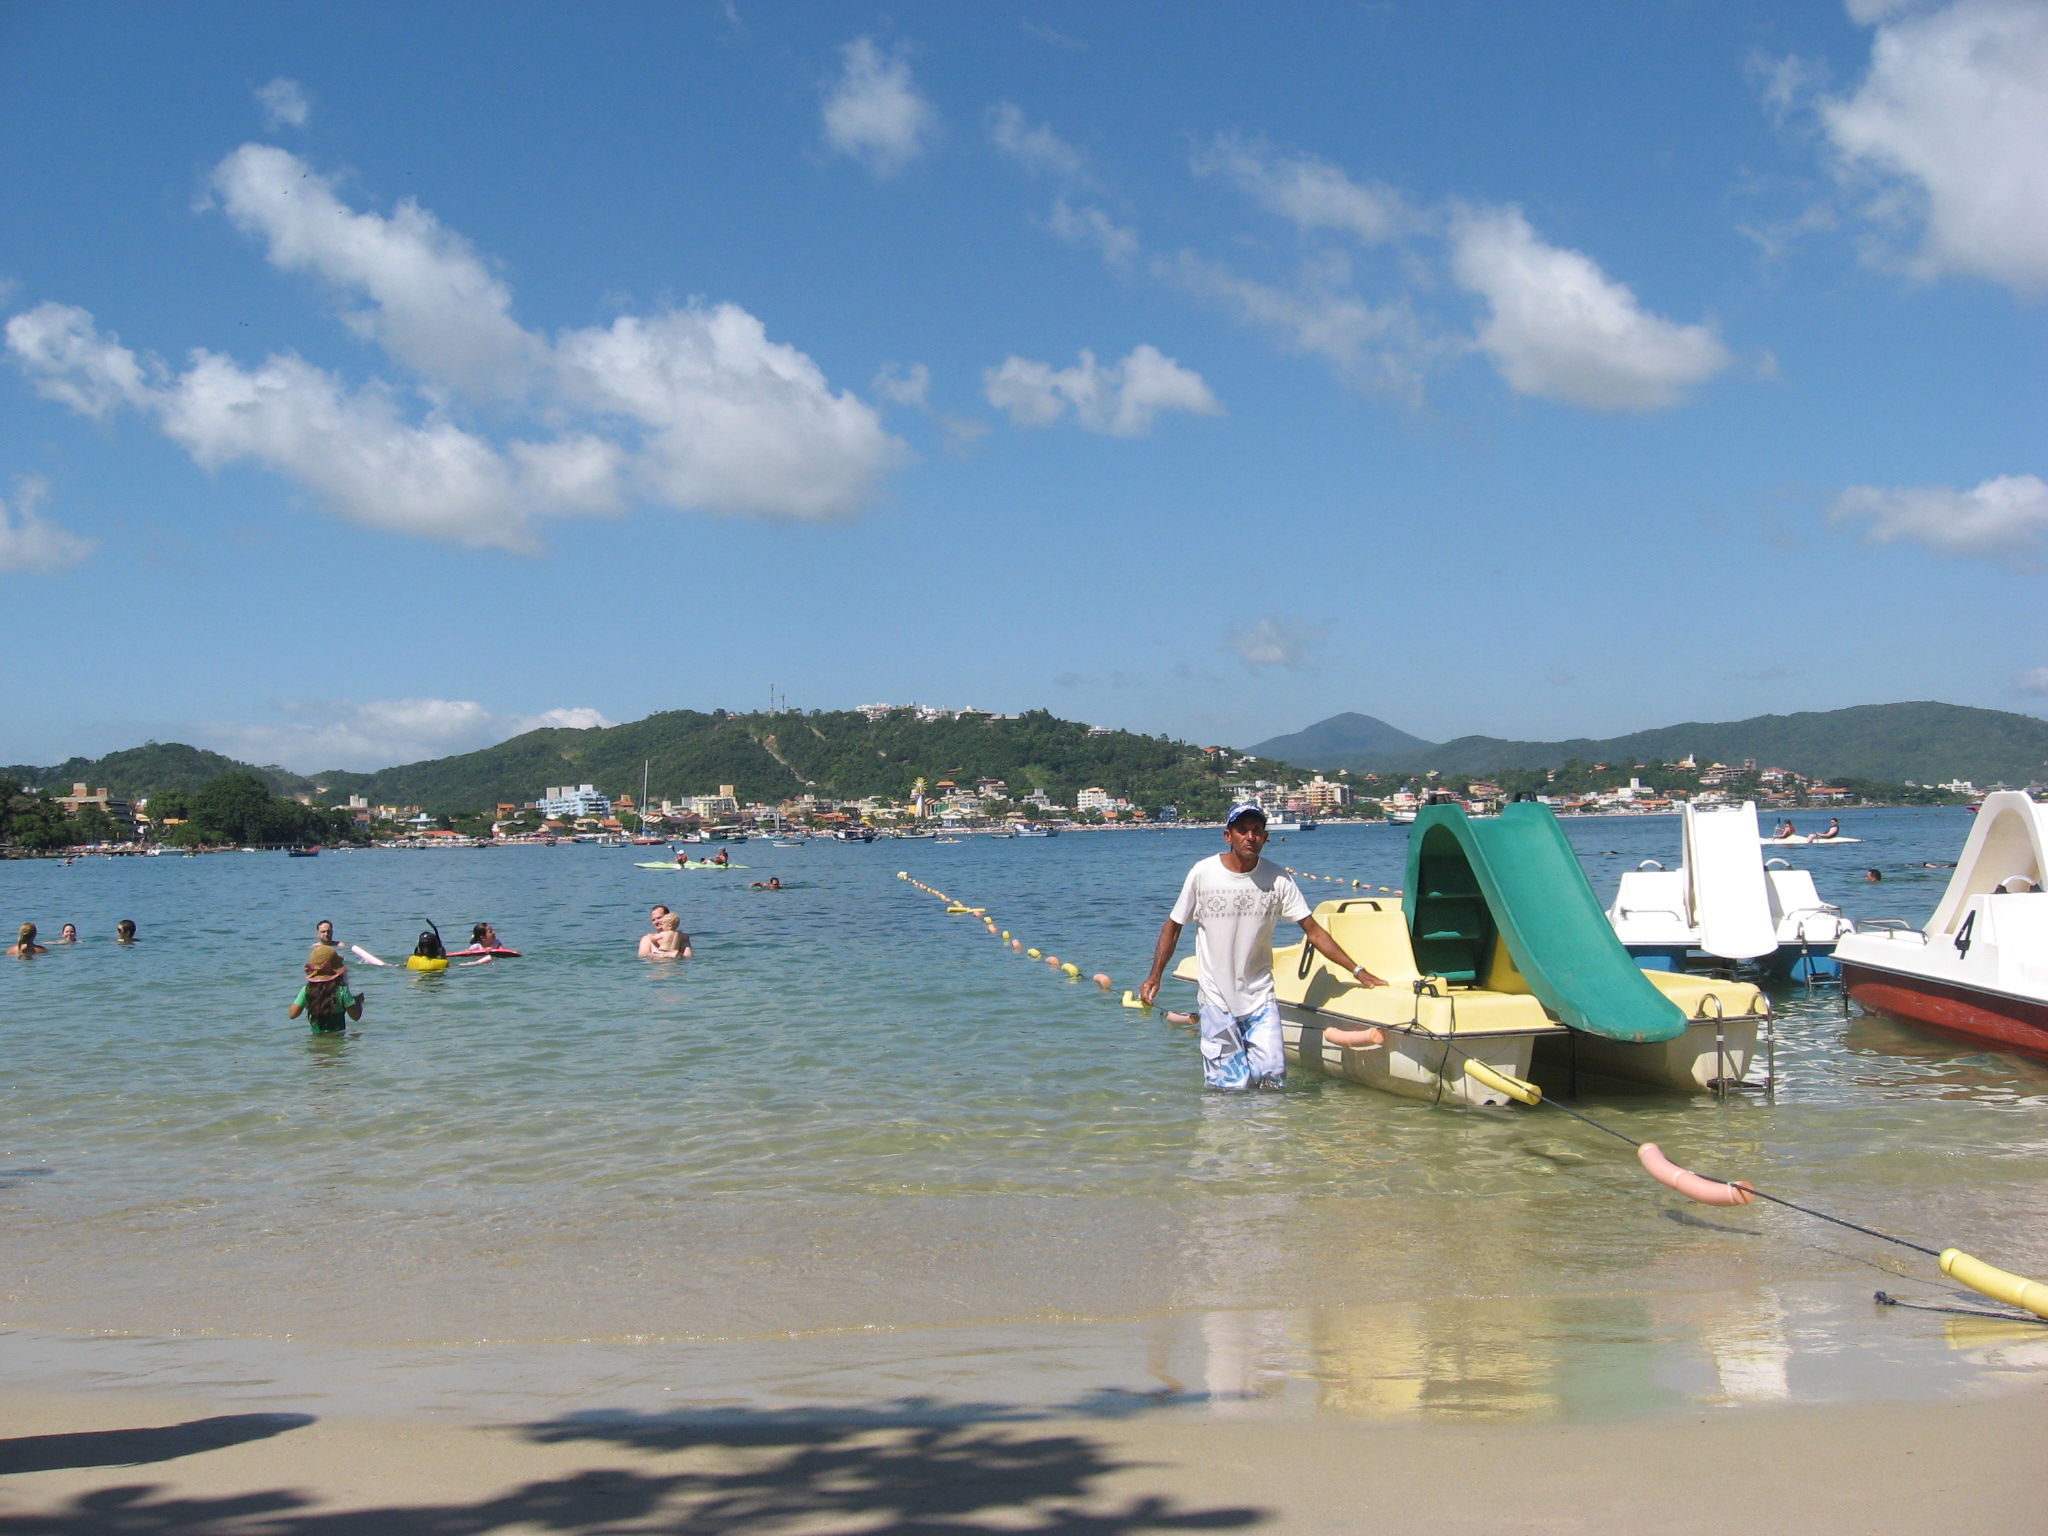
(95, 1464)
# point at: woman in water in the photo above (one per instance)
(25, 942)
(325, 999)
(484, 936)
(69, 934)
(124, 931)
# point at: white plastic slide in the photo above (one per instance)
(1731, 898)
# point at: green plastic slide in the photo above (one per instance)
(1516, 878)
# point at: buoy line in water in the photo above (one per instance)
(2029, 1298)
(1016, 945)
(1356, 885)
(2016, 1291)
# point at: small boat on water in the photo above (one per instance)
(1979, 966)
(1498, 951)
(1725, 903)
(302, 853)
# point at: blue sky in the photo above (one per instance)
(380, 380)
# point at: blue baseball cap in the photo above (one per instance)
(1244, 808)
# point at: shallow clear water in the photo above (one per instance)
(856, 1149)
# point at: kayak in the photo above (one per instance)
(693, 864)
(478, 949)
(1805, 840)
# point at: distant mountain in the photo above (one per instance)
(1923, 742)
(837, 753)
(1342, 740)
(841, 754)
(138, 772)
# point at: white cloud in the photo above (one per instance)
(2033, 680)
(906, 385)
(1309, 191)
(873, 113)
(70, 361)
(2003, 517)
(1374, 346)
(732, 422)
(1952, 125)
(311, 736)
(433, 302)
(694, 409)
(285, 104)
(1036, 147)
(1091, 226)
(1276, 642)
(1122, 399)
(29, 542)
(1561, 329)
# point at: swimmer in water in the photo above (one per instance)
(772, 883)
(69, 934)
(25, 942)
(668, 941)
(124, 931)
(1873, 875)
(325, 1000)
(484, 936)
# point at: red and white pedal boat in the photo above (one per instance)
(1979, 969)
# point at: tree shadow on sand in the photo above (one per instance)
(911, 1467)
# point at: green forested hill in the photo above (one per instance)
(841, 754)
(1922, 742)
(146, 770)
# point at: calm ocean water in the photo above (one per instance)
(855, 1151)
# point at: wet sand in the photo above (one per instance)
(74, 1465)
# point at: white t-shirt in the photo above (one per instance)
(1234, 916)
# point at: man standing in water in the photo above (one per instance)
(1235, 899)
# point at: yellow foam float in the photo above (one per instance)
(1999, 1284)
(1501, 1082)
(1035, 954)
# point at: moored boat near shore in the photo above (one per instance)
(1979, 967)
(1499, 953)
(1725, 904)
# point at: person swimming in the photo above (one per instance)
(668, 941)
(772, 883)
(124, 931)
(484, 936)
(25, 942)
(430, 946)
(69, 934)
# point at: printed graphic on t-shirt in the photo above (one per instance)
(1242, 901)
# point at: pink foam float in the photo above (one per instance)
(1692, 1185)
